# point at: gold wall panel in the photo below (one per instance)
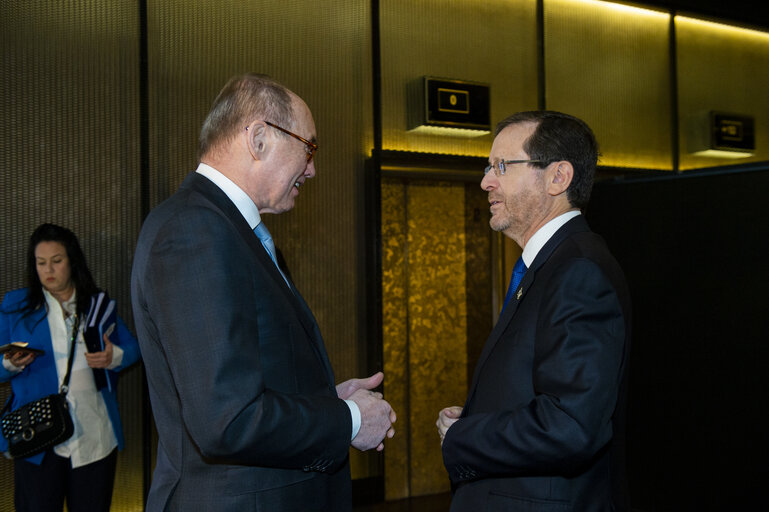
(491, 41)
(720, 68)
(70, 155)
(425, 325)
(437, 322)
(322, 51)
(480, 285)
(609, 65)
(395, 334)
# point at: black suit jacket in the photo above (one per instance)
(241, 387)
(540, 427)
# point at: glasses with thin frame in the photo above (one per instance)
(500, 167)
(311, 146)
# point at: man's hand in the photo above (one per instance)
(348, 387)
(376, 416)
(446, 418)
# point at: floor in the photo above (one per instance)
(434, 503)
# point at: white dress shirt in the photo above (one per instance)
(93, 438)
(543, 234)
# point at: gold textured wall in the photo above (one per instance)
(609, 65)
(425, 319)
(491, 41)
(395, 330)
(322, 52)
(69, 105)
(721, 68)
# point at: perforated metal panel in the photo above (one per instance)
(720, 68)
(492, 42)
(609, 65)
(70, 155)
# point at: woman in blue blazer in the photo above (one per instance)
(60, 286)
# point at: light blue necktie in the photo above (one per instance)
(518, 271)
(263, 233)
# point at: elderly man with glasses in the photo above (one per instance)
(542, 427)
(243, 394)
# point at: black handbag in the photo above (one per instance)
(38, 425)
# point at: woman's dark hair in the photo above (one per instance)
(79, 273)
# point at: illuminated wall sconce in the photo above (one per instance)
(727, 136)
(455, 108)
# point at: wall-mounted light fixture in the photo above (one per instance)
(456, 108)
(728, 136)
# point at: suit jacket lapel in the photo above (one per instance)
(575, 225)
(206, 187)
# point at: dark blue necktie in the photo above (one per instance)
(263, 233)
(518, 270)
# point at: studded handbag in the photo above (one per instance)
(38, 425)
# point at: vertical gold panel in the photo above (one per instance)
(493, 42)
(609, 65)
(437, 322)
(70, 155)
(425, 325)
(395, 334)
(321, 51)
(720, 68)
(479, 284)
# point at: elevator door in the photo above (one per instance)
(437, 274)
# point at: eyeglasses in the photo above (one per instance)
(500, 167)
(311, 147)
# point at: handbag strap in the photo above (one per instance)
(65, 384)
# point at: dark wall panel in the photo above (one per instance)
(70, 155)
(694, 251)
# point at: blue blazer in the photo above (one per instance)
(40, 379)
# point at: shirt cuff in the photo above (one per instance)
(355, 413)
(117, 357)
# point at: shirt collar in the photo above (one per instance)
(68, 307)
(242, 202)
(543, 234)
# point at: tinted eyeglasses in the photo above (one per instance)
(311, 147)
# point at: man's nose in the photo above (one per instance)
(488, 182)
(309, 171)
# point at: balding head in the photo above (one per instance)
(243, 99)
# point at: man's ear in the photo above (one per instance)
(256, 139)
(559, 177)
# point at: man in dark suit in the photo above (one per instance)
(541, 429)
(242, 392)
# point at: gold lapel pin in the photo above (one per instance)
(520, 292)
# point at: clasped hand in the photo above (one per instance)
(377, 416)
(446, 418)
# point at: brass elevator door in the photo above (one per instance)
(436, 253)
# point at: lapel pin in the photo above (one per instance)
(520, 292)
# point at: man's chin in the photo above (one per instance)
(498, 224)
